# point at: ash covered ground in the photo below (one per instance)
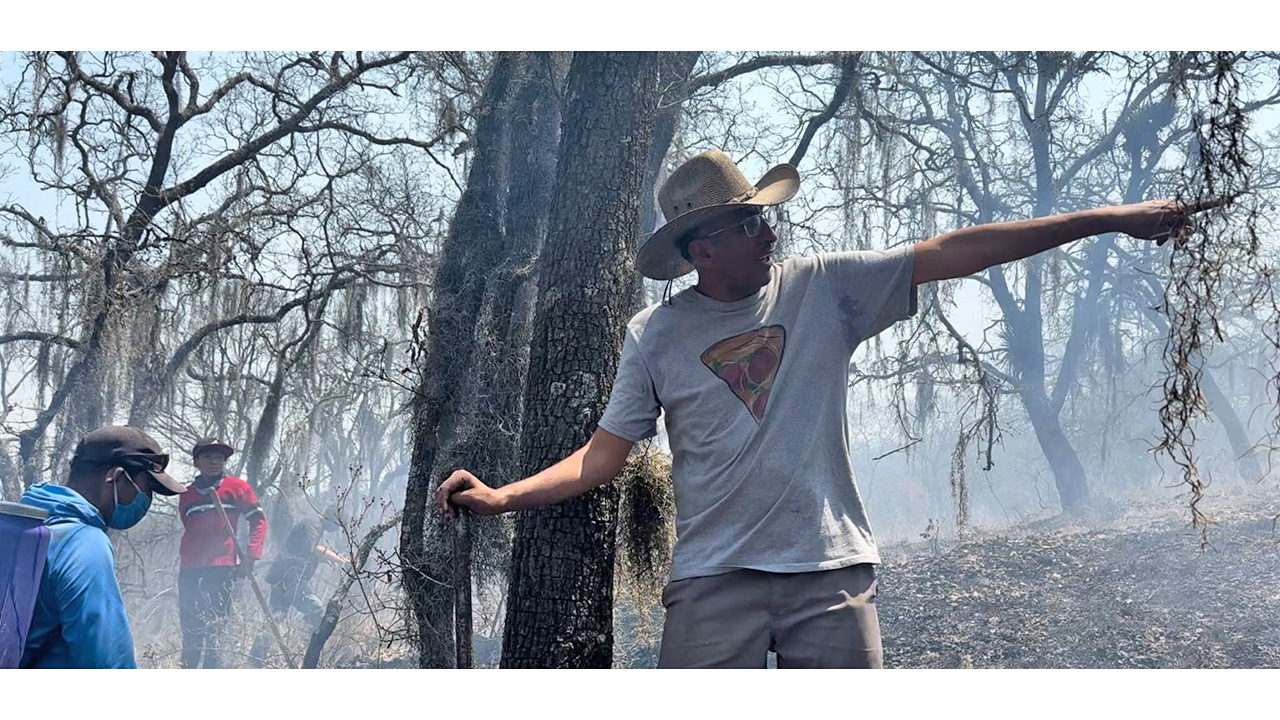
(1132, 591)
(1139, 594)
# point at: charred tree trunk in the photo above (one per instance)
(1027, 358)
(486, 427)
(1246, 463)
(1026, 324)
(560, 594)
(264, 433)
(674, 69)
(486, 437)
(673, 77)
(78, 381)
(148, 390)
(1068, 472)
(471, 250)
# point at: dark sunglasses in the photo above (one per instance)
(154, 463)
(751, 226)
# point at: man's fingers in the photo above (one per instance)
(456, 483)
(442, 495)
(459, 500)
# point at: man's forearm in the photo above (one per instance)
(329, 555)
(968, 250)
(591, 466)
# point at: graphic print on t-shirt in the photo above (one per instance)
(748, 363)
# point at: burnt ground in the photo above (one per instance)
(1140, 594)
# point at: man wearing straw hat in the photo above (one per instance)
(774, 550)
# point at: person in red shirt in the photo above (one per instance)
(208, 564)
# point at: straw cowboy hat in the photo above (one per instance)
(706, 185)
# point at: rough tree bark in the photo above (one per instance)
(560, 594)
(496, 231)
(470, 250)
(485, 433)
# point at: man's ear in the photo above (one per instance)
(700, 250)
(114, 473)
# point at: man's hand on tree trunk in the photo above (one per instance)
(588, 467)
(462, 489)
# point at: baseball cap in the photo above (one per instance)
(212, 444)
(128, 446)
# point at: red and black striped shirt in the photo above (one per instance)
(205, 541)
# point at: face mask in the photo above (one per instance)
(124, 517)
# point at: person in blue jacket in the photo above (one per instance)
(79, 619)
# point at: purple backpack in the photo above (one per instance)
(24, 543)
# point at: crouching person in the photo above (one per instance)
(291, 573)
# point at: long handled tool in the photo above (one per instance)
(462, 590)
(257, 591)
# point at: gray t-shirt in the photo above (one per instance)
(754, 395)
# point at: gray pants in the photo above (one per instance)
(299, 596)
(204, 607)
(821, 619)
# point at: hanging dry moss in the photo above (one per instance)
(1217, 266)
(646, 526)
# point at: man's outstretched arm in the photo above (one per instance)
(590, 466)
(968, 250)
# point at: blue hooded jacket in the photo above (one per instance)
(79, 620)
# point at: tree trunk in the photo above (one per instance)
(560, 595)
(673, 76)
(489, 412)
(1246, 463)
(1068, 472)
(472, 249)
(10, 481)
(78, 381)
(1026, 327)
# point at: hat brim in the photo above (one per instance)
(224, 448)
(659, 257)
(165, 484)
